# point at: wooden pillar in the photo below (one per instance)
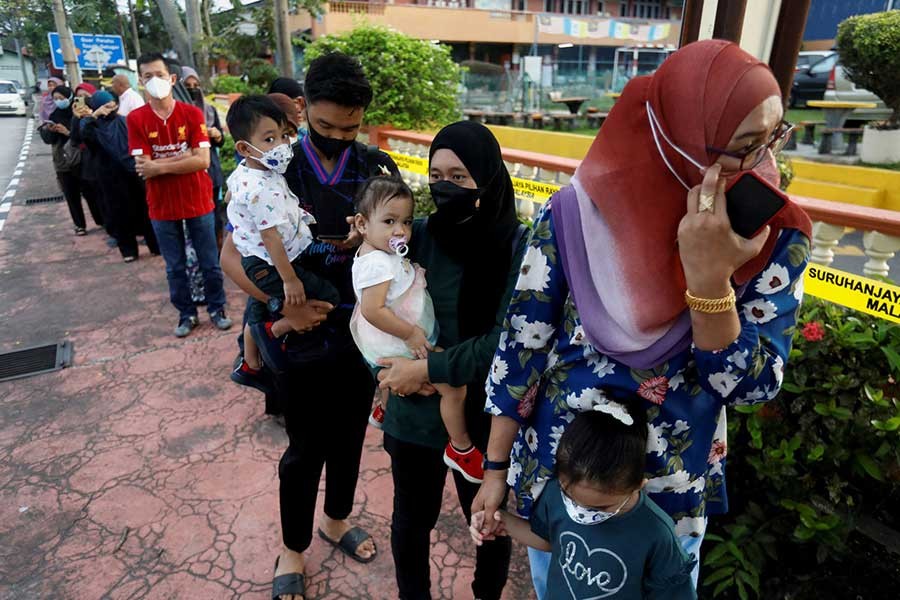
(786, 45)
(690, 21)
(729, 20)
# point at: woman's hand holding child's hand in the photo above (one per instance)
(418, 343)
(294, 294)
(477, 525)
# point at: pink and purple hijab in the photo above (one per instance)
(617, 224)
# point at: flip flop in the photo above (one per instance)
(288, 584)
(350, 543)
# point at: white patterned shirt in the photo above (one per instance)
(260, 200)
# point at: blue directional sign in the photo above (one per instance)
(95, 51)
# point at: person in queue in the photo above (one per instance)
(128, 99)
(700, 317)
(171, 148)
(91, 163)
(470, 249)
(56, 131)
(106, 134)
(326, 171)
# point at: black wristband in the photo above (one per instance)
(492, 465)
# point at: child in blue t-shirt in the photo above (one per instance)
(607, 538)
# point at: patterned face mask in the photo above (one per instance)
(587, 516)
(277, 159)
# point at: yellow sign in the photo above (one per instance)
(536, 191)
(859, 293)
(413, 164)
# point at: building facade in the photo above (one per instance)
(577, 39)
(11, 66)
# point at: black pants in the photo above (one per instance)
(326, 409)
(71, 185)
(419, 474)
(265, 277)
(93, 192)
(127, 211)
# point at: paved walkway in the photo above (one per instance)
(141, 471)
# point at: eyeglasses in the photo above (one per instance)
(751, 158)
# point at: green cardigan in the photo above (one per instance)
(417, 419)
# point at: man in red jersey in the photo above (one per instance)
(171, 148)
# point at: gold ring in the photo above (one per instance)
(707, 202)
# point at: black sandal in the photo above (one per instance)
(350, 543)
(288, 584)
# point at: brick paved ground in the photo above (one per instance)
(141, 471)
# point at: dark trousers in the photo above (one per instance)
(72, 187)
(93, 193)
(326, 409)
(126, 212)
(419, 474)
(170, 236)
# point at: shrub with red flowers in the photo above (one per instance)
(813, 332)
(805, 467)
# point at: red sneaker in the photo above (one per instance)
(470, 463)
(376, 418)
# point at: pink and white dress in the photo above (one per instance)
(406, 297)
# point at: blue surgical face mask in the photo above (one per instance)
(62, 104)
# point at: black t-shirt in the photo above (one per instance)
(308, 180)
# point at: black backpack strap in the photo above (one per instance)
(373, 166)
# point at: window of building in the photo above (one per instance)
(575, 7)
(646, 9)
(549, 6)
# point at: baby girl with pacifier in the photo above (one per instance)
(394, 315)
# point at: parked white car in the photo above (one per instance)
(11, 101)
(841, 89)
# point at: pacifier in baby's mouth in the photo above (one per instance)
(398, 245)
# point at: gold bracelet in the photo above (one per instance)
(710, 306)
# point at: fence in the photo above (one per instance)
(537, 176)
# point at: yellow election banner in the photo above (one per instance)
(536, 191)
(413, 164)
(859, 293)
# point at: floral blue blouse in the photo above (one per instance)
(544, 370)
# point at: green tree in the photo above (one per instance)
(869, 46)
(415, 82)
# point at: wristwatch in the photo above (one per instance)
(275, 304)
(495, 465)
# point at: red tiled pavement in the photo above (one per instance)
(141, 471)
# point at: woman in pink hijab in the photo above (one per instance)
(635, 285)
(47, 104)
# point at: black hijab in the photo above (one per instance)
(484, 243)
(63, 116)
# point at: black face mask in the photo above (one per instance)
(455, 204)
(329, 147)
(196, 96)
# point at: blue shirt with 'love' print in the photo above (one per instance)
(628, 557)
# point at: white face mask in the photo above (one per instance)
(654, 127)
(158, 88)
(587, 516)
(277, 159)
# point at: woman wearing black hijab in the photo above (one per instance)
(471, 248)
(67, 158)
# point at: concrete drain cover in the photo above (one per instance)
(35, 360)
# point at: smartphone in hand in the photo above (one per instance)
(752, 202)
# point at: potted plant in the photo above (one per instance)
(869, 46)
